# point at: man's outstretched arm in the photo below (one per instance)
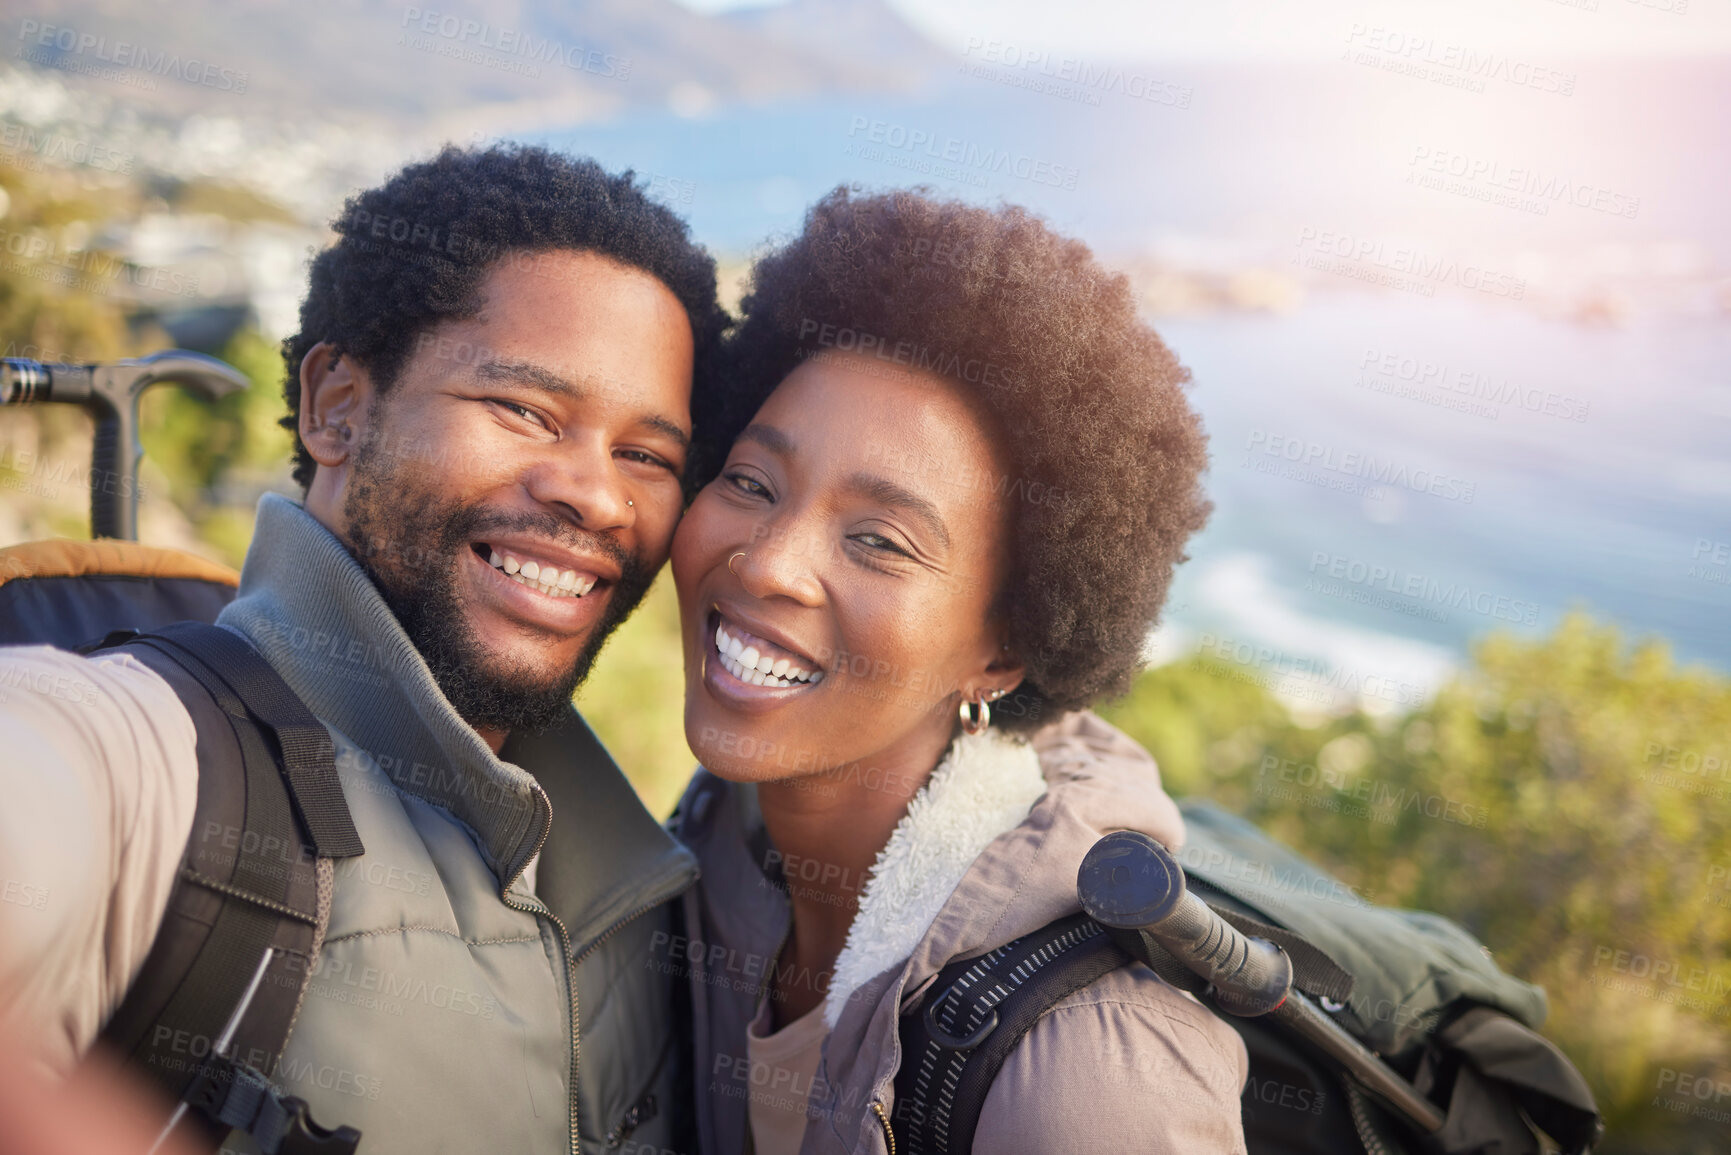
(98, 783)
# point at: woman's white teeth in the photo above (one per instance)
(543, 579)
(749, 664)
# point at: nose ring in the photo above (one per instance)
(733, 559)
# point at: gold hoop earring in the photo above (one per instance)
(733, 559)
(975, 720)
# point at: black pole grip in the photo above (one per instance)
(1131, 882)
(109, 391)
(114, 473)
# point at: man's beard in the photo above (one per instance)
(410, 543)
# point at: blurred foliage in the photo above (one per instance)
(635, 699)
(1560, 799)
(230, 201)
(39, 316)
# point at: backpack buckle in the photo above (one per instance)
(302, 1136)
(951, 1042)
(236, 1096)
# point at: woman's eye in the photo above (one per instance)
(747, 485)
(878, 541)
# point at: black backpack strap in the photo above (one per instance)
(976, 1010)
(955, 1040)
(210, 1010)
(308, 758)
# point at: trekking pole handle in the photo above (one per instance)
(110, 391)
(1130, 882)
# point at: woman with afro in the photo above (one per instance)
(962, 471)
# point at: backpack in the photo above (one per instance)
(1413, 987)
(208, 1014)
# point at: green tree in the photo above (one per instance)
(1567, 799)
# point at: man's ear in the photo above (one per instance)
(336, 399)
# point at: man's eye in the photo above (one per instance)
(522, 411)
(643, 458)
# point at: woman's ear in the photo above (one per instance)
(336, 396)
(1004, 671)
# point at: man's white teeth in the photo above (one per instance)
(760, 668)
(542, 579)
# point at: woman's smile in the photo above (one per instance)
(746, 671)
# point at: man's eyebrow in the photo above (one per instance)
(544, 379)
(887, 492)
(528, 373)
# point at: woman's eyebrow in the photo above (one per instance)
(769, 437)
(887, 492)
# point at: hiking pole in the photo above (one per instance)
(110, 391)
(1130, 882)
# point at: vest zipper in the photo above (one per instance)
(571, 964)
(540, 908)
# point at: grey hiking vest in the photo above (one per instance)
(451, 1009)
